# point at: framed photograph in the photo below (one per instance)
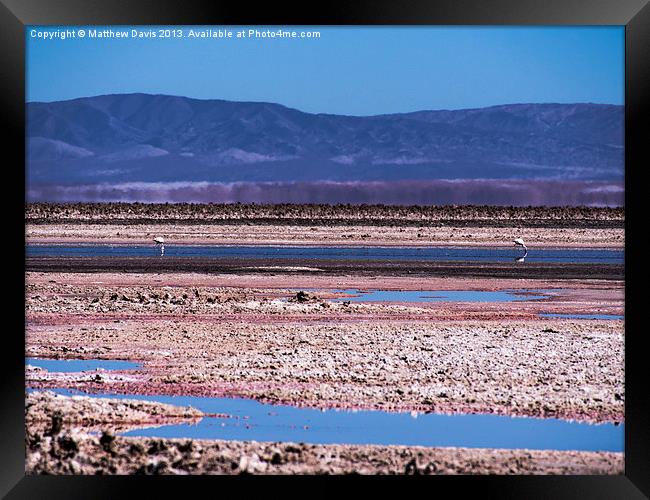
(380, 240)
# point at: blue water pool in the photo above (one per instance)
(81, 365)
(583, 316)
(355, 295)
(251, 420)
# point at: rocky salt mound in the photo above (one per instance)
(50, 413)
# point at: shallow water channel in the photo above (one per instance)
(356, 295)
(583, 316)
(81, 365)
(468, 254)
(250, 420)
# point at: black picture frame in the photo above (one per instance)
(633, 14)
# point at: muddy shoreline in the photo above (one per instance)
(338, 267)
(329, 236)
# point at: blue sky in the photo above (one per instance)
(348, 70)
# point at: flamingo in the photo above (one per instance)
(160, 241)
(520, 242)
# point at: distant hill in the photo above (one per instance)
(156, 138)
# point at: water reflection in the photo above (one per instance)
(252, 420)
(522, 258)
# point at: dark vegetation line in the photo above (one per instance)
(534, 223)
(312, 214)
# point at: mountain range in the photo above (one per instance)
(112, 139)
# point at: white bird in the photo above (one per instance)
(160, 241)
(520, 242)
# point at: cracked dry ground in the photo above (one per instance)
(240, 336)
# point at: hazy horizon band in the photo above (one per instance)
(495, 192)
